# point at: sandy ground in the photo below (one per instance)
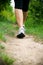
(26, 51)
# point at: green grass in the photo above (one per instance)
(4, 58)
(6, 28)
(7, 21)
(2, 46)
(37, 31)
(34, 28)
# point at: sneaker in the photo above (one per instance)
(21, 33)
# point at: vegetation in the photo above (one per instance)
(4, 3)
(4, 58)
(7, 21)
(34, 22)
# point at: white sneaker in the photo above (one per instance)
(21, 33)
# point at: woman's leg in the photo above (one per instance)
(19, 17)
(25, 14)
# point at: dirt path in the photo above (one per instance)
(26, 51)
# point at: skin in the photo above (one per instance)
(25, 14)
(20, 17)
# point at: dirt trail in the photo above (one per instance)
(26, 51)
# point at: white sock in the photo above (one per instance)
(21, 30)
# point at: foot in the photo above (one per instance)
(21, 33)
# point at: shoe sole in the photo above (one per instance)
(21, 35)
